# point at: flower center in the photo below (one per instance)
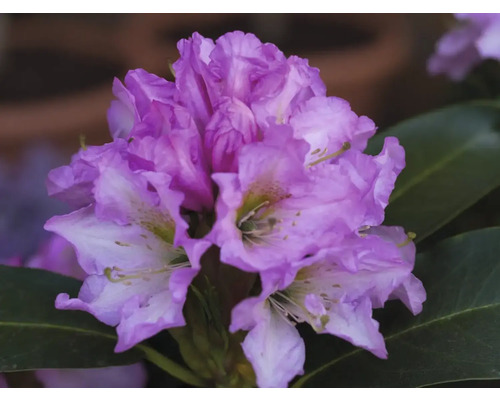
(255, 228)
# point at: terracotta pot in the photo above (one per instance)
(64, 114)
(360, 56)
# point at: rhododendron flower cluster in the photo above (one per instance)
(243, 153)
(475, 38)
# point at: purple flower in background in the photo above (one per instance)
(3, 382)
(477, 37)
(24, 203)
(57, 255)
(127, 376)
(245, 152)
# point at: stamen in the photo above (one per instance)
(324, 319)
(252, 212)
(305, 314)
(82, 142)
(119, 276)
(315, 151)
(171, 68)
(409, 238)
(362, 230)
(346, 146)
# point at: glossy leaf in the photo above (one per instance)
(33, 334)
(452, 161)
(456, 337)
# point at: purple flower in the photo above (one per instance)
(334, 291)
(23, 201)
(476, 38)
(275, 211)
(132, 242)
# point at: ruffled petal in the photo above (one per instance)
(244, 67)
(412, 293)
(300, 83)
(74, 183)
(144, 316)
(354, 323)
(275, 349)
(134, 100)
(232, 126)
(326, 123)
(193, 79)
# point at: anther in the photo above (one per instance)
(409, 238)
(325, 150)
(171, 68)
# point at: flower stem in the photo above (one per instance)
(171, 367)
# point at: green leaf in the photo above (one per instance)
(456, 337)
(34, 335)
(452, 161)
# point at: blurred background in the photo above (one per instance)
(56, 73)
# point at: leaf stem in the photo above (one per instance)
(171, 367)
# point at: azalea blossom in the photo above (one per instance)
(475, 38)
